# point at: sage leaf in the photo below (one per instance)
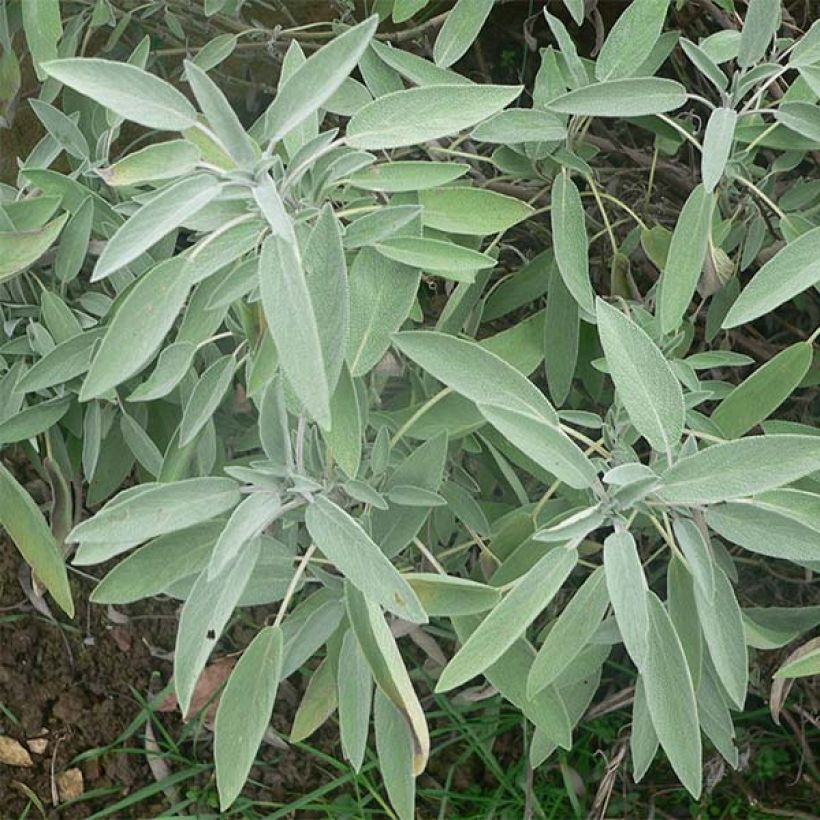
(137, 330)
(717, 146)
(292, 323)
(358, 558)
(684, 262)
(570, 633)
(204, 615)
(789, 272)
(157, 509)
(627, 587)
(646, 384)
(422, 114)
(244, 712)
(631, 39)
(507, 622)
(315, 81)
(670, 697)
(739, 468)
(355, 696)
(571, 245)
(622, 98)
(382, 293)
(460, 29)
(158, 217)
(127, 90)
(758, 396)
(471, 211)
(759, 27)
(206, 396)
(26, 527)
(723, 631)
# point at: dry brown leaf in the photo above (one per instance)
(69, 785)
(13, 753)
(211, 679)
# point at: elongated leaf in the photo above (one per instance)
(205, 613)
(136, 332)
(20, 250)
(394, 746)
(33, 420)
(379, 648)
(804, 118)
(355, 555)
(509, 619)
(723, 631)
(422, 114)
(244, 712)
(626, 584)
(646, 385)
(622, 98)
(221, 117)
(449, 595)
(345, 435)
(474, 372)
(631, 39)
(355, 699)
(382, 293)
(756, 398)
(684, 261)
(560, 341)
(698, 556)
(547, 711)
(128, 91)
(791, 271)
(436, 256)
(44, 28)
(156, 509)
(570, 633)
(317, 704)
(569, 236)
(326, 278)
(407, 175)
(759, 27)
(206, 396)
(162, 160)
(521, 125)
(292, 323)
(25, 525)
(739, 468)
(670, 697)
(460, 29)
(417, 70)
(245, 524)
(64, 362)
(471, 211)
(717, 146)
(151, 569)
(158, 217)
(541, 441)
(314, 82)
(764, 530)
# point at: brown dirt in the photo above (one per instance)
(71, 683)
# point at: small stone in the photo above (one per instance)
(69, 785)
(13, 753)
(38, 745)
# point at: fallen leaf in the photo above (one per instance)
(69, 784)
(211, 679)
(13, 753)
